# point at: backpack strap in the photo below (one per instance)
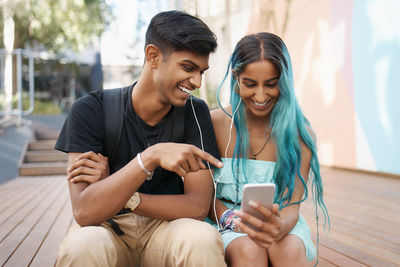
(174, 130)
(113, 108)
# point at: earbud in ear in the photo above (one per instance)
(237, 87)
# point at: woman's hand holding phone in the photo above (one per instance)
(263, 232)
(259, 217)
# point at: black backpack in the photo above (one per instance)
(114, 109)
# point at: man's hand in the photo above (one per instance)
(178, 158)
(88, 167)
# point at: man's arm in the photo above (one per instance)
(89, 167)
(94, 203)
(194, 203)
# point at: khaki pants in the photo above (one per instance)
(146, 242)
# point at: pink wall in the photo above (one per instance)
(342, 88)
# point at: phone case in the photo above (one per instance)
(264, 193)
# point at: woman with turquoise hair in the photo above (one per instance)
(264, 137)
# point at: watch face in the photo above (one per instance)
(133, 202)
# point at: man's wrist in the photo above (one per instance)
(149, 161)
(143, 168)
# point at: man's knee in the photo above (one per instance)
(198, 244)
(86, 244)
(198, 234)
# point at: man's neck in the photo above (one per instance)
(145, 101)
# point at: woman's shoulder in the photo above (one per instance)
(219, 116)
(221, 123)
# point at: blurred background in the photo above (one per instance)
(345, 56)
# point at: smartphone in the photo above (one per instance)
(263, 193)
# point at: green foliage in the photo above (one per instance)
(41, 106)
(57, 24)
(211, 95)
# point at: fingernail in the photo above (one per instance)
(238, 212)
(220, 164)
(253, 204)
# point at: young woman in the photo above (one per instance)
(263, 137)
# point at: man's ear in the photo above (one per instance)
(153, 55)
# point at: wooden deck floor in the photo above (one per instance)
(35, 213)
(365, 220)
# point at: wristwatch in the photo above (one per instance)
(133, 202)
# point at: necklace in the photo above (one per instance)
(254, 155)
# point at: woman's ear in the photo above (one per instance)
(153, 55)
(234, 73)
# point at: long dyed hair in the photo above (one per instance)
(287, 120)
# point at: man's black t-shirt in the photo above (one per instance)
(84, 129)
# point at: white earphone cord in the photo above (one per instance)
(226, 151)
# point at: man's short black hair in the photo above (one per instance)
(176, 31)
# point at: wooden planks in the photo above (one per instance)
(36, 213)
(53, 239)
(45, 156)
(36, 224)
(43, 168)
(337, 259)
(41, 159)
(365, 218)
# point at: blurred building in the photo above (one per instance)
(346, 59)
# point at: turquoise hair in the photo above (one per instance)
(287, 121)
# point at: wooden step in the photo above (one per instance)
(45, 156)
(33, 169)
(40, 158)
(41, 145)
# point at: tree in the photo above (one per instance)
(271, 15)
(52, 25)
(56, 24)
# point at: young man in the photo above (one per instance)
(145, 212)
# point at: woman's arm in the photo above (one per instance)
(220, 208)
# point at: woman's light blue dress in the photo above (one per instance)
(257, 171)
